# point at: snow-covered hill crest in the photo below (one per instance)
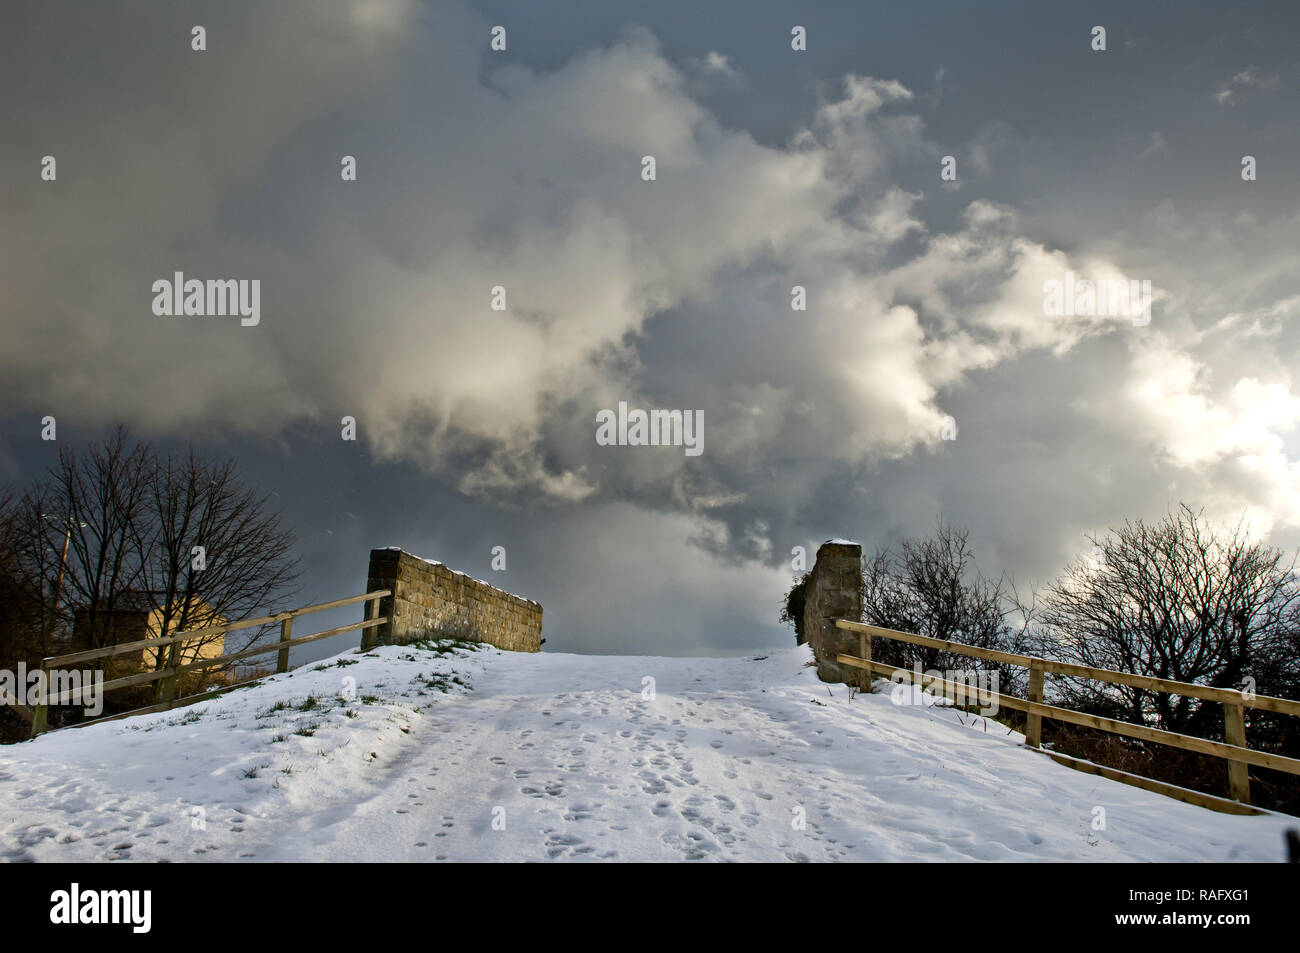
(439, 752)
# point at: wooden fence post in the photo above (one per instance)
(41, 713)
(167, 686)
(864, 653)
(1034, 723)
(286, 633)
(369, 637)
(1234, 732)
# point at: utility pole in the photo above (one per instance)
(63, 561)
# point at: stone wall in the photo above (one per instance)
(833, 591)
(432, 601)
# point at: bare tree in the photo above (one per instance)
(173, 537)
(213, 552)
(21, 629)
(1178, 600)
(933, 587)
(90, 507)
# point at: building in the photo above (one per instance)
(136, 616)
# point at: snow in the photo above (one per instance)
(457, 572)
(436, 745)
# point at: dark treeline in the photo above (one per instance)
(121, 526)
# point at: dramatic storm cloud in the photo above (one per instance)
(522, 170)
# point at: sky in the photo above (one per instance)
(927, 378)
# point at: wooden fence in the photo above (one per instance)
(1235, 751)
(169, 674)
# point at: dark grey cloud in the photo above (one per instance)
(775, 169)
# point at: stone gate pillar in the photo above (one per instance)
(834, 591)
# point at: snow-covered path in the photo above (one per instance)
(385, 757)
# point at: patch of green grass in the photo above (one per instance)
(340, 663)
(277, 707)
(441, 682)
(448, 645)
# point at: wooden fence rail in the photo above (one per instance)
(1235, 751)
(169, 673)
